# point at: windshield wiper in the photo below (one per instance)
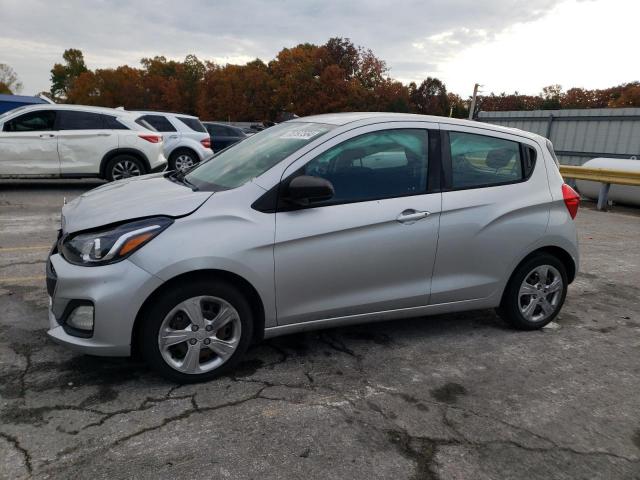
(179, 177)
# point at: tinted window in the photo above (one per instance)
(479, 160)
(160, 123)
(255, 155)
(112, 123)
(216, 130)
(234, 132)
(390, 163)
(69, 120)
(193, 123)
(38, 121)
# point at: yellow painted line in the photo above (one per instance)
(16, 280)
(23, 249)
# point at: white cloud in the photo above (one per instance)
(578, 44)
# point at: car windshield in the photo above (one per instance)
(252, 157)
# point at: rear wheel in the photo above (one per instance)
(183, 160)
(197, 332)
(124, 166)
(535, 294)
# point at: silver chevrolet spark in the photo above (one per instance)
(318, 222)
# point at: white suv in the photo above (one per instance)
(186, 140)
(45, 141)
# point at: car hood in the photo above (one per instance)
(130, 199)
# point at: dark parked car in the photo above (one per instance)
(223, 135)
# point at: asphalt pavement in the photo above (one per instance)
(446, 397)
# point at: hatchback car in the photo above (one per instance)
(318, 222)
(186, 141)
(70, 141)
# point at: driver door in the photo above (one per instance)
(371, 248)
(29, 145)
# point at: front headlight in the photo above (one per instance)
(100, 247)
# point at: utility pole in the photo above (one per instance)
(472, 108)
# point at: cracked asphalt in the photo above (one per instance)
(447, 397)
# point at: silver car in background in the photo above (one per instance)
(317, 222)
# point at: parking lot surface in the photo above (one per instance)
(444, 397)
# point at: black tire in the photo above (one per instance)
(173, 158)
(114, 167)
(509, 309)
(156, 314)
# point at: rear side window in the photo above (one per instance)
(112, 123)
(216, 130)
(70, 120)
(159, 122)
(193, 123)
(482, 161)
(38, 121)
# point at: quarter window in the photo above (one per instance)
(385, 164)
(38, 121)
(479, 160)
(112, 123)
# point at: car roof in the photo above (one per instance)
(151, 112)
(366, 118)
(78, 108)
(220, 124)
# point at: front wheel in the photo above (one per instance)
(197, 332)
(535, 294)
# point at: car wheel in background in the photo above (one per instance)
(124, 166)
(182, 160)
(535, 293)
(197, 331)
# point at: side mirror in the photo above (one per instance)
(305, 189)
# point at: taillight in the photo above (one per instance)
(571, 199)
(206, 142)
(151, 138)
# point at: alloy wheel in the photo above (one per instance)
(199, 334)
(184, 162)
(125, 169)
(540, 293)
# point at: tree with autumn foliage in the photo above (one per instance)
(302, 80)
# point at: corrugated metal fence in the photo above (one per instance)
(579, 135)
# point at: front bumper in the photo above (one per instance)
(117, 292)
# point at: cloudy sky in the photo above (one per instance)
(505, 45)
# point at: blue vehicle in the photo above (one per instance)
(9, 102)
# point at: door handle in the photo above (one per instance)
(47, 135)
(411, 216)
(103, 134)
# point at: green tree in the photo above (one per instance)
(9, 82)
(430, 98)
(64, 75)
(552, 95)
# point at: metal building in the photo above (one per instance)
(580, 134)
